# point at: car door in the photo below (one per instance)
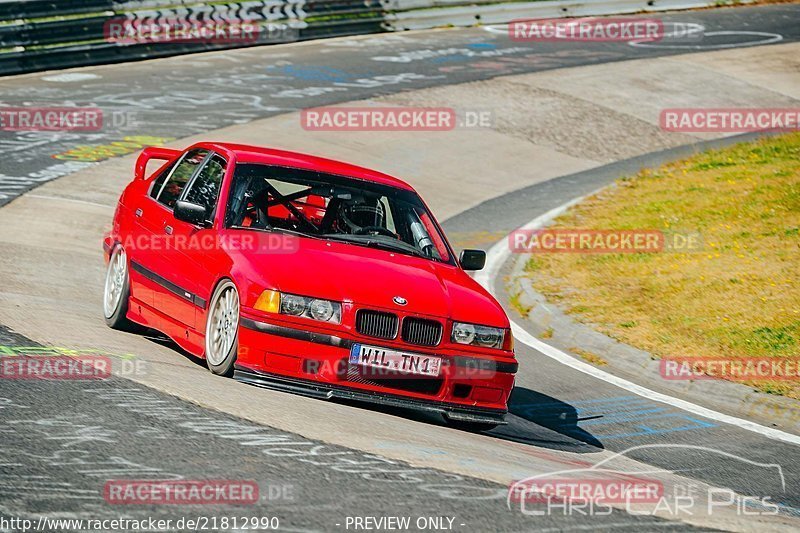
(171, 297)
(198, 245)
(141, 241)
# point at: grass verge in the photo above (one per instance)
(738, 296)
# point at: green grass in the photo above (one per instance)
(739, 296)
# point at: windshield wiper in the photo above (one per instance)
(389, 246)
(281, 230)
(392, 246)
(293, 232)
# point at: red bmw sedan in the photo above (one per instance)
(307, 275)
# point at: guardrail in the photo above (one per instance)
(41, 35)
(48, 34)
(433, 13)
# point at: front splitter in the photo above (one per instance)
(326, 391)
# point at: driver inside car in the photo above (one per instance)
(362, 216)
(339, 213)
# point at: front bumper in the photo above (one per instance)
(317, 364)
(327, 391)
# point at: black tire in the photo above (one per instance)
(221, 361)
(115, 313)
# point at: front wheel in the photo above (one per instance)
(222, 329)
(117, 291)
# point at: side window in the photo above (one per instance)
(180, 177)
(159, 181)
(205, 188)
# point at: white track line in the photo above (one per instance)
(500, 252)
(769, 38)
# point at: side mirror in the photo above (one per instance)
(472, 259)
(189, 212)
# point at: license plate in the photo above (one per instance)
(394, 360)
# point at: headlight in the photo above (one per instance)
(321, 310)
(477, 335)
(463, 333)
(295, 305)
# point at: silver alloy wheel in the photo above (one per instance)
(116, 277)
(222, 324)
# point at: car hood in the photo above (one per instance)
(373, 278)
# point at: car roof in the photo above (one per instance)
(256, 154)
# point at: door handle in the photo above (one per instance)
(168, 230)
(139, 212)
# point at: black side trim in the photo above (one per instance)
(167, 284)
(328, 391)
(473, 363)
(297, 334)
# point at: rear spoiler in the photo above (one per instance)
(153, 152)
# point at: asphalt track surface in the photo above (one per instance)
(61, 440)
(203, 92)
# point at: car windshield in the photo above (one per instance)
(319, 205)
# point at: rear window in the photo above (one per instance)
(158, 183)
(205, 188)
(172, 189)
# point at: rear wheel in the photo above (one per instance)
(117, 291)
(222, 329)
